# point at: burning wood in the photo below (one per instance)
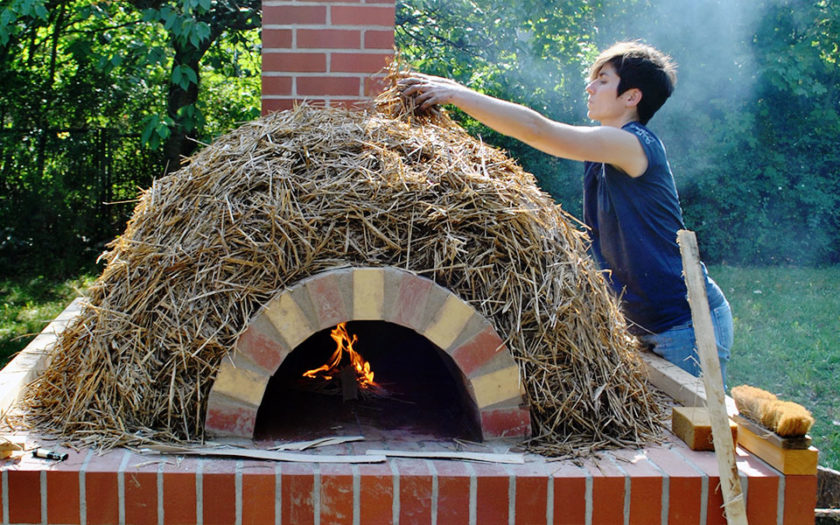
(346, 366)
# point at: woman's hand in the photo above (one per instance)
(429, 90)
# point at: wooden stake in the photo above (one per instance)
(704, 334)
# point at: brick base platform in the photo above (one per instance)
(659, 484)
(665, 483)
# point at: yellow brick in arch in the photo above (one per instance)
(292, 324)
(240, 383)
(449, 322)
(497, 386)
(368, 293)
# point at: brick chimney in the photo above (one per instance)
(323, 51)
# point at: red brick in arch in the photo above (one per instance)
(363, 294)
(324, 52)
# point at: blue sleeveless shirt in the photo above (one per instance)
(633, 227)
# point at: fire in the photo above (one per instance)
(344, 345)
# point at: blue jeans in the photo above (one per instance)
(677, 344)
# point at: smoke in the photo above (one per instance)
(712, 41)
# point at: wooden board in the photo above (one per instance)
(692, 425)
(704, 334)
(785, 460)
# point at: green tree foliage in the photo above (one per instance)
(750, 129)
(95, 97)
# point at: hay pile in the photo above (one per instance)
(307, 190)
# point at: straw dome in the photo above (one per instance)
(303, 191)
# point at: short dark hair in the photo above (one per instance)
(642, 67)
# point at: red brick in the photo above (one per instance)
(24, 496)
(218, 491)
(327, 299)
(374, 85)
(708, 463)
(410, 305)
(101, 488)
(102, 497)
(276, 86)
(453, 492)
(506, 422)
(179, 492)
(374, 39)
(684, 485)
(645, 499)
(362, 15)
(258, 493)
(276, 38)
(272, 105)
(336, 494)
(227, 417)
(607, 491)
(376, 493)
(359, 62)
(63, 497)
(569, 496)
(326, 86)
(714, 509)
(297, 499)
(140, 496)
(415, 492)
(531, 499)
(291, 15)
(762, 498)
(329, 39)
(800, 499)
(645, 486)
(478, 350)
(607, 499)
(492, 489)
(261, 343)
(293, 62)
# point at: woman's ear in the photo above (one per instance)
(632, 97)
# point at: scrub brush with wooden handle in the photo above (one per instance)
(785, 418)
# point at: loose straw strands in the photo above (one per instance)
(307, 190)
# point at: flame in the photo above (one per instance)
(344, 344)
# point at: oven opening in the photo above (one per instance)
(373, 378)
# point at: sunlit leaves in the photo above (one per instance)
(183, 76)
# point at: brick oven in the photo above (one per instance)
(474, 353)
(332, 53)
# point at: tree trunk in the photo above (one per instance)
(181, 141)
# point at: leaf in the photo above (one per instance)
(183, 76)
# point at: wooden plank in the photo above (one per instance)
(678, 384)
(785, 460)
(704, 334)
(692, 425)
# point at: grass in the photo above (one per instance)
(28, 305)
(787, 341)
(787, 334)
